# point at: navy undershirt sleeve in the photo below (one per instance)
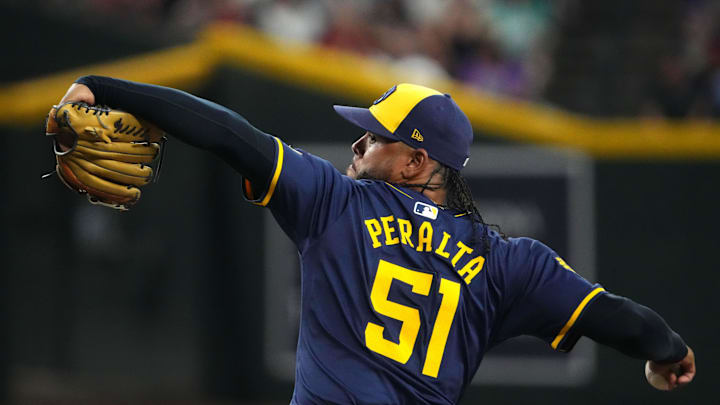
(630, 328)
(193, 120)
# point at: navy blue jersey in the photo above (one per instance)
(399, 300)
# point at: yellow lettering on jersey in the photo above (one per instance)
(389, 239)
(472, 268)
(462, 249)
(425, 234)
(440, 251)
(373, 227)
(408, 316)
(562, 263)
(405, 231)
(450, 291)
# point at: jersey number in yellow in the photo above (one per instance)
(410, 317)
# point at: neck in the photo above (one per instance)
(437, 196)
(435, 192)
(424, 184)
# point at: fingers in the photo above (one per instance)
(79, 92)
(687, 376)
(667, 377)
(685, 373)
(120, 151)
(688, 368)
(685, 379)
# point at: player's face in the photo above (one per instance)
(379, 158)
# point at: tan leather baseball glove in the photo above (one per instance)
(103, 153)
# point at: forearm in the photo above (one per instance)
(193, 120)
(631, 328)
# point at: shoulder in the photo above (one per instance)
(517, 247)
(518, 257)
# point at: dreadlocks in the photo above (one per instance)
(458, 197)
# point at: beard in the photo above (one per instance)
(365, 174)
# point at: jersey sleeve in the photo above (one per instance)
(305, 193)
(544, 296)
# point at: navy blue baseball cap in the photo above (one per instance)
(421, 118)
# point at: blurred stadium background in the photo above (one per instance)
(625, 94)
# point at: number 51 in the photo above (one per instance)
(410, 317)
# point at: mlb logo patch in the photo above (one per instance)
(425, 210)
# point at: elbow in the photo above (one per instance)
(632, 329)
(649, 337)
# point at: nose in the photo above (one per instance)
(358, 147)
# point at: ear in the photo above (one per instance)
(417, 162)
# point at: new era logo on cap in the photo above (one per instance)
(416, 135)
(419, 117)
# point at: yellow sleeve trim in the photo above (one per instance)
(575, 316)
(276, 176)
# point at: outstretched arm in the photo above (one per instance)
(198, 122)
(639, 332)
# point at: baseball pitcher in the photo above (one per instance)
(404, 286)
